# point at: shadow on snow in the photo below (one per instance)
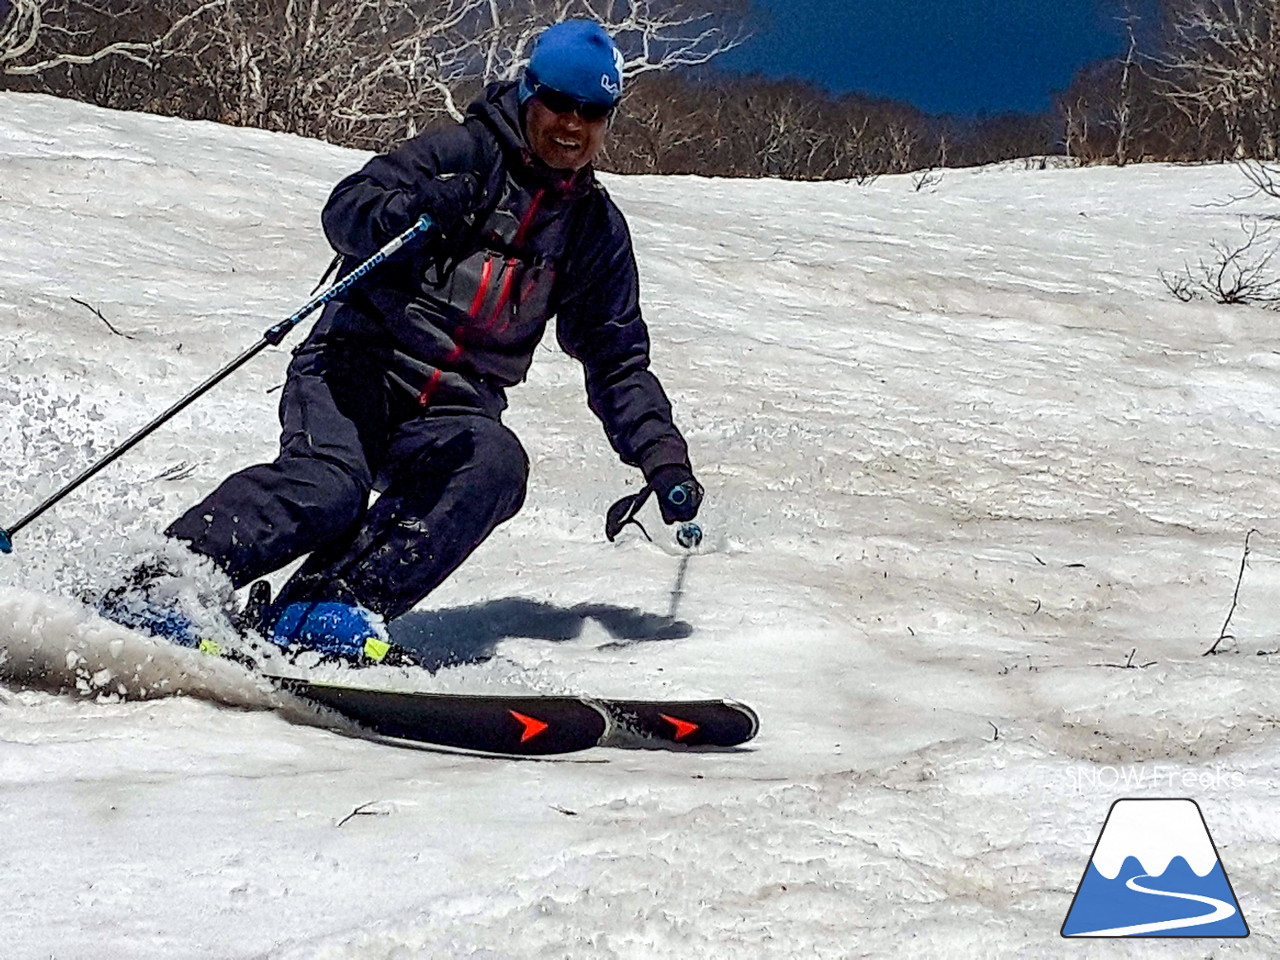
(450, 637)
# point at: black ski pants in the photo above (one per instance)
(448, 476)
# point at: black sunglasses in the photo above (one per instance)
(562, 103)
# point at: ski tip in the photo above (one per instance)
(750, 714)
(6, 541)
(701, 725)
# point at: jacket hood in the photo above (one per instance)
(500, 110)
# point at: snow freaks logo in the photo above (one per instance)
(1154, 873)
(1154, 777)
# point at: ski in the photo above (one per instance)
(685, 723)
(531, 725)
(511, 724)
(516, 725)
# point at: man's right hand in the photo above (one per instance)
(451, 198)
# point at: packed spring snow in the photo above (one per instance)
(977, 496)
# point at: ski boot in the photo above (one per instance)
(148, 601)
(336, 631)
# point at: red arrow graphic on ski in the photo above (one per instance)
(683, 727)
(532, 725)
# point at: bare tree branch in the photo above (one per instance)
(1264, 177)
(1221, 65)
(33, 11)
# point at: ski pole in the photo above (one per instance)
(622, 513)
(688, 535)
(273, 337)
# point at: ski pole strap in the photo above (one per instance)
(624, 512)
(334, 266)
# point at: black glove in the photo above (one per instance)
(679, 495)
(450, 199)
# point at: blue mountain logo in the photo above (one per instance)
(1155, 873)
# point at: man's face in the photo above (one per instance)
(563, 141)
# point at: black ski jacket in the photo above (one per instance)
(458, 317)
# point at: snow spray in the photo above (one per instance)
(271, 338)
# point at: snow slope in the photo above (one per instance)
(963, 455)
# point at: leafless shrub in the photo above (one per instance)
(1181, 285)
(1237, 273)
(1265, 177)
(925, 179)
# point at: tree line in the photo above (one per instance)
(1194, 80)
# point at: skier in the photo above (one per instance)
(400, 388)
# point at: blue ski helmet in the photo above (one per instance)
(576, 58)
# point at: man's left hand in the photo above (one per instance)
(679, 494)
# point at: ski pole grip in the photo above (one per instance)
(6, 541)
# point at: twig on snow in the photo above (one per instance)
(364, 811)
(1128, 663)
(1235, 597)
(98, 313)
(179, 471)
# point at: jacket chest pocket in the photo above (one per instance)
(502, 299)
